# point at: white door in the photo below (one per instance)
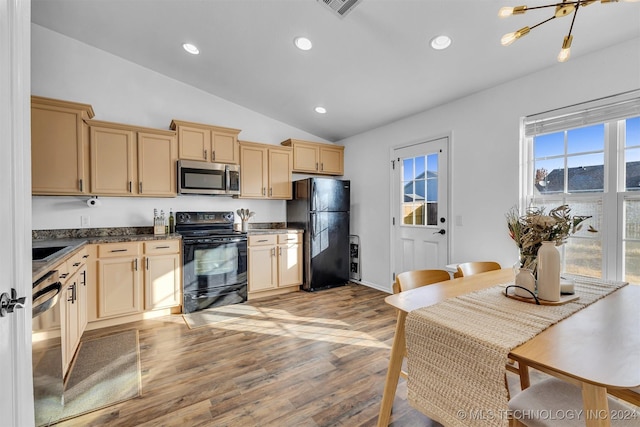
(419, 202)
(16, 390)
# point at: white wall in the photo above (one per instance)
(484, 156)
(120, 91)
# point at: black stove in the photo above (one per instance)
(214, 260)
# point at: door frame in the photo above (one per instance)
(392, 149)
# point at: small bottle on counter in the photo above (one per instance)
(172, 222)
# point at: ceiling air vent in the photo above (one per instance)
(340, 7)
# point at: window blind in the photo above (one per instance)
(614, 107)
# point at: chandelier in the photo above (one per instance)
(564, 8)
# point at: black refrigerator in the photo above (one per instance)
(320, 206)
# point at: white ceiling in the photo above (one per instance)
(369, 68)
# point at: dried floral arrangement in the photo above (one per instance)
(528, 231)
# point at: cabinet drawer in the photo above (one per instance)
(263, 239)
(162, 247)
(290, 238)
(63, 271)
(110, 250)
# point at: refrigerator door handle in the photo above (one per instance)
(313, 196)
(312, 226)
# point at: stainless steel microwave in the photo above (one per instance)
(208, 178)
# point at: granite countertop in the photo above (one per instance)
(72, 243)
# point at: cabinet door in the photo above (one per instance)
(119, 290)
(157, 155)
(162, 281)
(280, 165)
(70, 337)
(58, 153)
(263, 267)
(305, 157)
(224, 147)
(81, 295)
(112, 161)
(289, 264)
(253, 173)
(194, 143)
(332, 160)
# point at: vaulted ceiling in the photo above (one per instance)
(368, 68)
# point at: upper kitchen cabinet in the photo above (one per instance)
(207, 143)
(59, 147)
(265, 171)
(316, 158)
(132, 161)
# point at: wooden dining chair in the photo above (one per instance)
(475, 267)
(415, 279)
(531, 407)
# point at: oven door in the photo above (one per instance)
(214, 273)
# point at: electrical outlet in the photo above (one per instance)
(85, 220)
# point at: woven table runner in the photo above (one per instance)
(457, 350)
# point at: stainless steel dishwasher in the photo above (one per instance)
(48, 380)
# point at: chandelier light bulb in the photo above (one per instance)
(565, 52)
(505, 11)
(509, 38)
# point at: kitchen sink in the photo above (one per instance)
(41, 254)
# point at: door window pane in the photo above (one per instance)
(420, 185)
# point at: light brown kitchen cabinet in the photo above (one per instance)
(162, 274)
(289, 259)
(73, 305)
(265, 171)
(197, 141)
(132, 161)
(119, 279)
(275, 261)
(262, 271)
(59, 147)
(316, 157)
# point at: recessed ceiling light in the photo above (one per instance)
(320, 110)
(192, 49)
(302, 43)
(440, 42)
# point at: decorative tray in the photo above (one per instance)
(564, 299)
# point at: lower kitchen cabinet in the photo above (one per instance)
(275, 262)
(119, 279)
(162, 274)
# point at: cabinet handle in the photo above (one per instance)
(205, 154)
(291, 238)
(146, 262)
(85, 256)
(270, 191)
(162, 247)
(262, 240)
(280, 251)
(84, 278)
(64, 275)
(118, 250)
(76, 264)
(213, 155)
(316, 165)
(264, 191)
(129, 186)
(135, 264)
(273, 251)
(81, 186)
(140, 187)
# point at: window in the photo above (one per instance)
(588, 156)
(420, 190)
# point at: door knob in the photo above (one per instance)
(10, 303)
(441, 231)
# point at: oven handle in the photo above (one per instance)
(228, 240)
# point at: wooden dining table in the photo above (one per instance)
(597, 347)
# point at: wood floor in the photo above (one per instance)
(303, 359)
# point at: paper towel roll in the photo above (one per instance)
(92, 203)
